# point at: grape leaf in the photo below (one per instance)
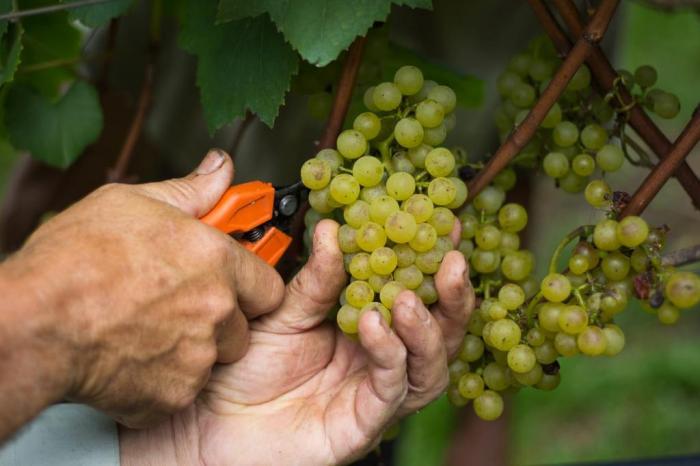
(10, 50)
(54, 132)
(318, 29)
(242, 64)
(469, 89)
(97, 15)
(48, 38)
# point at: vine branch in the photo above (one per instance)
(605, 76)
(524, 132)
(682, 256)
(664, 170)
(15, 15)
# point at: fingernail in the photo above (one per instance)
(419, 311)
(380, 321)
(212, 162)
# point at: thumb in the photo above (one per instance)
(197, 193)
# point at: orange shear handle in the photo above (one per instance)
(243, 208)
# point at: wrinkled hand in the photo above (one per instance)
(305, 394)
(147, 297)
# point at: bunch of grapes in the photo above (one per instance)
(393, 188)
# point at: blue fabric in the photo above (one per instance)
(64, 435)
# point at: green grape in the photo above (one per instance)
(344, 189)
(405, 256)
(516, 266)
(351, 144)
(435, 136)
(580, 80)
(548, 316)
(587, 250)
(359, 266)
(389, 292)
(381, 207)
(411, 276)
(615, 266)
(598, 193)
(466, 247)
(573, 319)
(489, 200)
(573, 183)
(578, 264)
(591, 341)
(368, 99)
(377, 282)
(683, 289)
(497, 311)
(439, 162)
(485, 261)
(450, 122)
(426, 291)
(632, 231)
(605, 235)
(583, 165)
(496, 376)
(540, 69)
(614, 339)
(594, 136)
(370, 194)
(321, 201)
(645, 76)
(367, 123)
(442, 219)
(382, 261)
(400, 227)
(512, 296)
(455, 398)
(358, 294)
(639, 260)
(555, 164)
(471, 385)
(565, 344)
(418, 154)
(555, 287)
(666, 105)
(408, 79)
(370, 236)
(430, 113)
(400, 186)
(408, 132)
(510, 242)
(546, 353)
(347, 239)
(377, 307)
(423, 93)
(521, 359)
(424, 239)
(535, 337)
(312, 217)
(332, 157)
(420, 206)
(523, 95)
(469, 225)
(531, 377)
(445, 96)
(507, 82)
(356, 214)
(461, 193)
(401, 163)
(565, 134)
(476, 324)
(386, 97)
(529, 286)
(456, 370)
(348, 317)
(610, 158)
(613, 302)
(368, 171)
(315, 174)
(512, 217)
(553, 117)
(472, 348)
(549, 382)
(668, 314)
(520, 63)
(504, 334)
(488, 237)
(441, 191)
(506, 179)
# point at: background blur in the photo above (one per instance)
(643, 403)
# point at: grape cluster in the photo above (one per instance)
(392, 187)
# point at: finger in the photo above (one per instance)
(384, 389)
(197, 193)
(456, 302)
(456, 233)
(427, 359)
(233, 337)
(258, 287)
(315, 289)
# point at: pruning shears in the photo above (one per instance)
(259, 216)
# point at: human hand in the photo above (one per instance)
(304, 394)
(145, 298)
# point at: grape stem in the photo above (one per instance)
(644, 159)
(682, 256)
(583, 230)
(530, 310)
(385, 151)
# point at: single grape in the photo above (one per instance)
(445, 96)
(565, 344)
(516, 265)
(321, 201)
(405, 256)
(496, 376)
(368, 99)
(408, 132)
(639, 260)
(610, 158)
(531, 377)
(401, 163)
(315, 174)
(426, 291)
(368, 170)
(472, 348)
(632, 231)
(614, 338)
(358, 294)
(371, 193)
(555, 287)
(504, 334)
(580, 80)
(389, 292)
(668, 314)
(586, 249)
(485, 261)
(535, 337)
(386, 97)
(598, 193)
(578, 264)
(332, 157)
(370, 236)
(423, 93)
(553, 117)
(420, 206)
(555, 164)
(615, 266)
(347, 239)
(490, 199)
(476, 324)
(411, 277)
(520, 64)
(351, 144)
(521, 359)
(457, 369)
(368, 124)
(573, 183)
(506, 82)
(418, 154)
(450, 122)
(356, 214)
(469, 225)
(605, 235)
(594, 136)
(439, 162)
(466, 247)
(400, 227)
(408, 79)
(666, 105)
(488, 237)
(382, 261)
(435, 136)
(471, 385)
(455, 398)
(523, 95)
(512, 296)
(565, 134)
(583, 165)
(546, 353)
(443, 220)
(683, 289)
(645, 76)
(512, 217)
(573, 319)
(497, 311)
(441, 191)
(400, 186)
(510, 242)
(424, 239)
(359, 266)
(348, 318)
(430, 113)
(377, 307)
(549, 382)
(344, 189)
(381, 207)
(377, 282)
(613, 302)
(461, 193)
(506, 179)
(541, 69)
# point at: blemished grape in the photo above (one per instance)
(489, 200)
(573, 319)
(439, 162)
(408, 132)
(359, 266)
(512, 217)
(471, 385)
(386, 97)
(344, 189)
(610, 158)
(358, 294)
(315, 173)
(430, 113)
(632, 231)
(521, 359)
(598, 193)
(368, 171)
(428, 262)
(400, 186)
(377, 282)
(445, 96)
(355, 214)
(443, 220)
(370, 236)
(404, 254)
(381, 207)
(555, 287)
(389, 292)
(555, 164)
(420, 206)
(441, 191)
(348, 318)
(351, 144)
(370, 194)
(645, 76)
(615, 266)
(488, 237)
(347, 239)
(683, 289)
(332, 157)
(424, 239)
(408, 79)
(504, 334)
(401, 163)
(565, 134)
(400, 227)
(583, 165)
(368, 124)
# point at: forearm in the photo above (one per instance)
(35, 367)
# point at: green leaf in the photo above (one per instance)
(54, 132)
(318, 29)
(242, 65)
(10, 51)
(469, 89)
(5, 7)
(96, 15)
(48, 38)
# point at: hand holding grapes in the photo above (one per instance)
(321, 397)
